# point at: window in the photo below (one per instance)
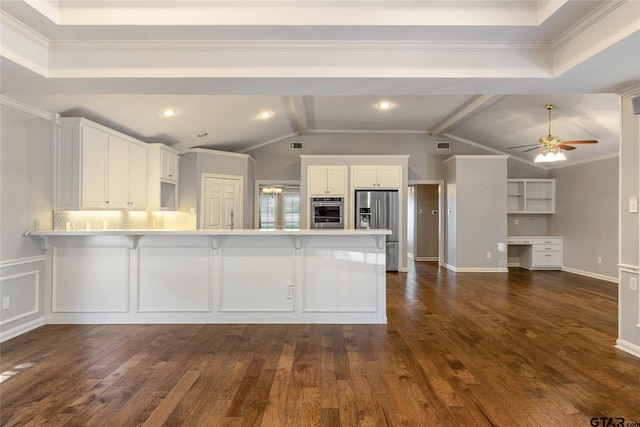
(279, 207)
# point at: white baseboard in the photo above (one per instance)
(628, 347)
(426, 258)
(475, 269)
(21, 329)
(590, 274)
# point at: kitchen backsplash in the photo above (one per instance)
(100, 220)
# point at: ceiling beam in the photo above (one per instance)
(300, 112)
(476, 105)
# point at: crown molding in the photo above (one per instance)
(276, 45)
(25, 31)
(25, 108)
(589, 21)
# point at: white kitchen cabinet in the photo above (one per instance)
(93, 166)
(162, 178)
(168, 165)
(531, 196)
(376, 176)
(326, 180)
(137, 176)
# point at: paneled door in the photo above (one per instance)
(222, 202)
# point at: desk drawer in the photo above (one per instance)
(547, 241)
(547, 259)
(547, 248)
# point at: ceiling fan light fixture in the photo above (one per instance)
(539, 158)
(560, 156)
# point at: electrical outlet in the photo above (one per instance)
(6, 303)
(633, 283)
(36, 224)
(488, 254)
(516, 221)
(599, 260)
(292, 291)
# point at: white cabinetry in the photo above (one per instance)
(96, 168)
(376, 176)
(162, 177)
(539, 253)
(168, 164)
(531, 196)
(324, 180)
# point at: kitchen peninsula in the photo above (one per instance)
(215, 276)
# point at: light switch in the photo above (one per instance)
(633, 204)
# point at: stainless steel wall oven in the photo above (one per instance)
(327, 212)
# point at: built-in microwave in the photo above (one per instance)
(327, 212)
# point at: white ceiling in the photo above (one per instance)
(475, 72)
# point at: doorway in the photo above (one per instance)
(425, 221)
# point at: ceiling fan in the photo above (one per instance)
(549, 146)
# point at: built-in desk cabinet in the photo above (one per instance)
(531, 196)
(98, 168)
(539, 253)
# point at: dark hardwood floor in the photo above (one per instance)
(518, 349)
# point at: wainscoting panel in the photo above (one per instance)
(255, 278)
(174, 279)
(90, 279)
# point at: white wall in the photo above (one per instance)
(628, 299)
(25, 195)
(587, 217)
(480, 212)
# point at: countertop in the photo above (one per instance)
(198, 232)
(134, 235)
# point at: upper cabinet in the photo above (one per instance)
(168, 164)
(162, 178)
(327, 180)
(98, 168)
(376, 176)
(531, 196)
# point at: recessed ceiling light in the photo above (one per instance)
(384, 105)
(202, 135)
(265, 115)
(170, 112)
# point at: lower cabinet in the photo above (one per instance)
(544, 253)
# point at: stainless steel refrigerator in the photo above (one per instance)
(378, 209)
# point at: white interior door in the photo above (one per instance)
(222, 202)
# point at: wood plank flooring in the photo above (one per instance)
(466, 349)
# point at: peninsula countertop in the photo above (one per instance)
(205, 232)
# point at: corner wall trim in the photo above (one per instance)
(19, 330)
(628, 347)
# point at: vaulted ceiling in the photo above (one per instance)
(476, 72)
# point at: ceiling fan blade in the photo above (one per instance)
(583, 141)
(566, 147)
(523, 146)
(530, 149)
